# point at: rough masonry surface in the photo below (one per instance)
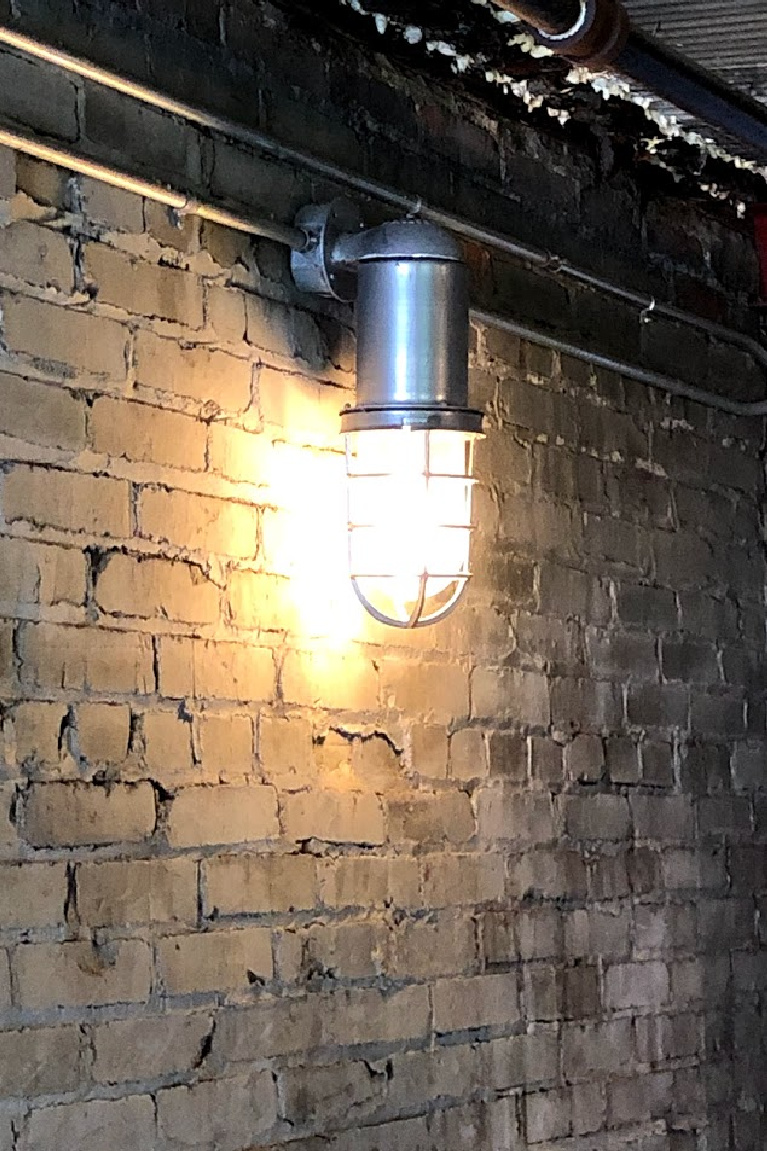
(274, 876)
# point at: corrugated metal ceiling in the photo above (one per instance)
(726, 36)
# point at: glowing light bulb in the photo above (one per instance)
(409, 493)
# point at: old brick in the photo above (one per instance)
(79, 340)
(505, 814)
(369, 1015)
(622, 655)
(43, 98)
(153, 588)
(585, 758)
(657, 763)
(38, 255)
(323, 1096)
(213, 815)
(547, 1115)
(9, 835)
(484, 1001)
(658, 705)
(226, 1113)
(546, 760)
(583, 705)
(429, 750)
(343, 951)
(239, 455)
(248, 884)
(110, 207)
(82, 974)
(581, 992)
(35, 573)
(148, 290)
(123, 1122)
(445, 817)
(226, 314)
(226, 744)
(275, 1027)
(721, 713)
(597, 817)
(269, 325)
(622, 756)
(78, 503)
(265, 602)
(285, 749)
(41, 413)
(539, 933)
(202, 373)
(103, 732)
(551, 873)
(137, 891)
(522, 697)
(507, 755)
(688, 660)
(8, 670)
(169, 148)
(452, 880)
(590, 934)
(596, 1049)
(636, 985)
(444, 944)
(136, 1049)
(38, 727)
(641, 1098)
(43, 1061)
(668, 818)
(32, 895)
(198, 523)
(74, 814)
(370, 881)
(167, 738)
(427, 689)
(324, 679)
(147, 434)
(7, 174)
(86, 658)
(205, 670)
(725, 815)
(303, 409)
(333, 816)
(215, 961)
(568, 592)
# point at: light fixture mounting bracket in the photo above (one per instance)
(315, 269)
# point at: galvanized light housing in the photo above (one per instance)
(410, 437)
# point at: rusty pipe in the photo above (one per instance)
(599, 35)
(591, 32)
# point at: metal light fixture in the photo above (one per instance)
(410, 437)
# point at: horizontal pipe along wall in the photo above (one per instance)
(270, 873)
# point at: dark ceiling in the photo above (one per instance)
(477, 41)
(726, 36)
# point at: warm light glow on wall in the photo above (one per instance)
(303, 539)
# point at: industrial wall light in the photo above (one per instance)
(410, 437)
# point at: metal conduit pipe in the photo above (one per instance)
(411, 205)
(179, 201)
(599, 34)
(296, 239)
(641, 375)
(552, 16)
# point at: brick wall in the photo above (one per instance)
(274, 876)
